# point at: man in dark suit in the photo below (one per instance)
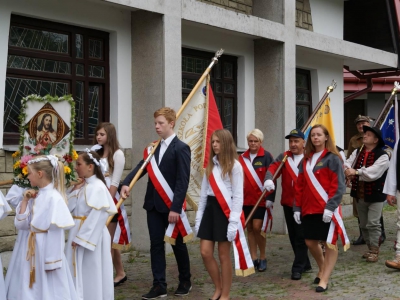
(173, 159)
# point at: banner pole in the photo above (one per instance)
(196, 87)
(329, 89)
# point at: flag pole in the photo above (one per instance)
(265, 193)
(214, 61)
(382, 114)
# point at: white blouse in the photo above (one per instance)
(119, 163)
(235, 188)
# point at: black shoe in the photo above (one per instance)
(155, 292)
(117, 283)
(183, 288)
(320, 289)
(256, 263)
(262, 266)
(316, 280)
(359, 241)
(296, 276)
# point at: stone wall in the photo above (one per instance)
(303, 14)
(241, 6)
(7, 229)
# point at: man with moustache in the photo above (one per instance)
(355, 142)
(367, 179)
(289, 174)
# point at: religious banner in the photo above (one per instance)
(194, 126)
(324, 117)
(47, 126)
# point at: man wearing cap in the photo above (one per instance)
(289, 174)
(367, 180)
(355, 142)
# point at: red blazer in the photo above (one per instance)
(260, 165)
(288, 186)
(329, 172)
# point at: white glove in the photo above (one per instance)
(296, 216)
(269, 204)
(232, 231)
(327, 217)
(269, 185)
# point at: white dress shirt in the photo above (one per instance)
(164, 145)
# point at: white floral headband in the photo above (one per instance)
(53, 160)
(91, 157)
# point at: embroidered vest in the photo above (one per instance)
(373, 191)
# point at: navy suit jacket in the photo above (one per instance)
(175, 167)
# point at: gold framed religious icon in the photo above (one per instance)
(47, 127)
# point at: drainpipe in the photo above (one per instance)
(369, 87)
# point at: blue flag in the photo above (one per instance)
(388, 128)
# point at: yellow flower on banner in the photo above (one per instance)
(15, 154)
(67, 170)
(74, 155)
(16, 165)
(25, 170)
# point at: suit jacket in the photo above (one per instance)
(175, 167)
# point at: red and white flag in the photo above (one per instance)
(197, 121)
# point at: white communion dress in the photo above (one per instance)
(5, 209)
(44, 272)
(90, 262)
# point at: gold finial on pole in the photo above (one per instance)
(330, 88)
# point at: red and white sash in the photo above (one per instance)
(243, 262)
(256, 184)
(292, 168)
(336, 228)
(166, 193)
(122, 235)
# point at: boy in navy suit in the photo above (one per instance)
(173, 159)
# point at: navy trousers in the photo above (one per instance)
(157, 223)
(301, 261)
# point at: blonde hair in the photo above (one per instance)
(328, 144)
(55, 175)
(257, 133)
(227, 153)
(167, 112)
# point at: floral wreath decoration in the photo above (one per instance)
(26, 153)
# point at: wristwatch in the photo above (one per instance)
(357, 172)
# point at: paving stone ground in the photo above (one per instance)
(352, 278)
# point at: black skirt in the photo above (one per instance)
(258, 214)
(214, 224)
(314, 228)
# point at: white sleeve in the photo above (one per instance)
(91, 231)
(23, 221)
(237, 193)
(391, 180)
(54, 248)
(349, 162)
(119, 163)
(15, 195)
(4, 207)
(375, 171)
